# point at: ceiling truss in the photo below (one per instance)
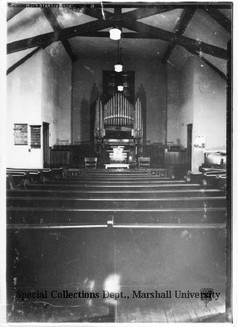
(57, 28)
(179, 29)
(128, 20)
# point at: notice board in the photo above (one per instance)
(36, 136)
(20, 134)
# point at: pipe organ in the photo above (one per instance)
(118, 114)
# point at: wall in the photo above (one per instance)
(56, 92)
(202, 102)
(150, 76)
(209, 109)
(186, 100)
(39, 91)
(24, 106)
(173, 98)
(209, 106)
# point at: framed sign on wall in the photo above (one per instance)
(36, 136)
(20, 134)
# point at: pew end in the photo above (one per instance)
(90, 162)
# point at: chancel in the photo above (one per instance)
(118, 165)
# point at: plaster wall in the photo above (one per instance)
(186, 102)
(24, 107)
(56, 93)
(209, 106)
(173, 104)
(201, 101)
(39, 91)
(209, 110)
(150, 77)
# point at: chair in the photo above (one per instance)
(144, 162)
(90, 162)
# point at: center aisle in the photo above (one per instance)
(116, 232)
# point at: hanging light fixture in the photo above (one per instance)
(120, 88)
(118, 67)
(115, 33)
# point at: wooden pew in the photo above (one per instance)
(118, 204)
(82, 217)
(33, 175)
(21, 177)
(215, 177)
(16, 180)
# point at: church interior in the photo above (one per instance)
(118, 162)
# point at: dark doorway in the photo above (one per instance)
(189, 145)
(46, 148)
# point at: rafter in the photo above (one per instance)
(179, 29)
(143, 31)
(13, 11)
(134, 14)
(219, 17)
(141, 13)
(178, 39)
(57, 28)
(96, 12)
(21, 61)
(219, 72)
(47, 38)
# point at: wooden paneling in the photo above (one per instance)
(60, 158)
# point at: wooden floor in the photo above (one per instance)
(185, 310)
(150, 232)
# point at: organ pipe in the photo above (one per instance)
(118, 111)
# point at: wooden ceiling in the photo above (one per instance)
(167, 29)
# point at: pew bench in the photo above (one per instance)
(21, 177)
(208, 177)
(16, 180)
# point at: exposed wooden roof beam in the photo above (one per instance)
(179, 29)
(57, 28)
(124, 35)
(47, 38)
(24, 59)
(134, 14)
(97, 12)
(13, 11)
(21, 61)
(219, 17)
(141, 13)
(219, 72)
(178, 39)
(143, 31)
